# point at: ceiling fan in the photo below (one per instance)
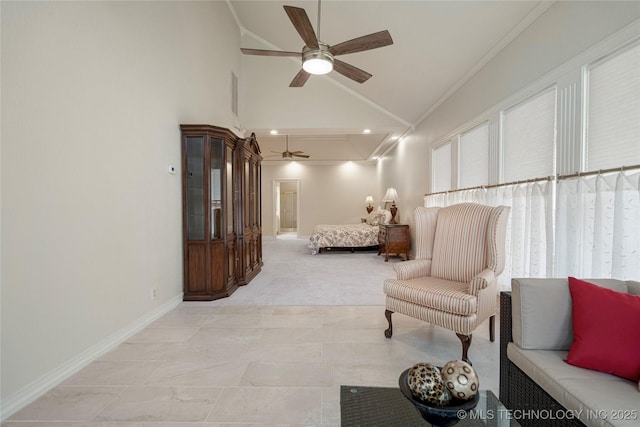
(286, 154)
(319, 57)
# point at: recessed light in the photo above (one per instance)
(274, 132)
(366, 131)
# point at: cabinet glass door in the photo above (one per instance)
(229, 194)
(195, 188)
(217, 164)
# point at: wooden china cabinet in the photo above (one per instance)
(249, 214)
(222, 234)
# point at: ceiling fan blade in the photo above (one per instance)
(360, 44)
(297, 152)
(300, 79)
(263, 52)
(300, 155)
(300, 21)
(347, 70)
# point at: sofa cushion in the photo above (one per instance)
(596, 398)
(606, 330)
(634, 287)
(542, 312)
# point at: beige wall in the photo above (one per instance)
(565, 30)
(329, 193)
(92, 96)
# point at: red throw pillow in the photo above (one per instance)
(606, 330)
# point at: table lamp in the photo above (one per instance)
(391, 196)
(369, 202)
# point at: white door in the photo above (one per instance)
(286, 201)
(288, 211)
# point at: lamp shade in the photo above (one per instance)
(369, 200)
(391, 195)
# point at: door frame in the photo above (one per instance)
(276, 203)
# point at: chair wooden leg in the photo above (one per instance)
(389, 331)
(492, 328)
(466, 343)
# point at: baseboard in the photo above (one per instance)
(39, 387)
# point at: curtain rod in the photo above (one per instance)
(504, 184)
(620, 169)
(547, 178)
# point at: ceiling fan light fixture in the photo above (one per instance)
(317, 66)
(317, 61)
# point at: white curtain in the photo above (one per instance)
(598, 226)
(586, 227)
(529, 231)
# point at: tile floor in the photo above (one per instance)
(217, 364)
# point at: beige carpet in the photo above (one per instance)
(292, 276)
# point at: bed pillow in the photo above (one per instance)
(375, 218)
(606, 330)
(387, 216)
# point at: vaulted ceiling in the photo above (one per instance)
(437, 46)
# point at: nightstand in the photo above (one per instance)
(394, 239)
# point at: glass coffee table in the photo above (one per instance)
(387, 407)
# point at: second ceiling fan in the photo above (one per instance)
(286, 154)
(318, 57)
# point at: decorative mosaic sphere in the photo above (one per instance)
(425, 382)
(460, 379)
(445, 397)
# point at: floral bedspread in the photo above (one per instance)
(343, 236)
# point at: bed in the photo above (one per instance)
(348, 236)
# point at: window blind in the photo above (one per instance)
(474, 157)
(529, 138)
(613, 111)
(441, 164)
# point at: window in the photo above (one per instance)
(613, 111)
(441, 166)
(585, 225)
(528, 132)
(474, 157)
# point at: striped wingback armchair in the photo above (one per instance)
(451, 282)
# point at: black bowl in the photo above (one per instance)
(437, 415)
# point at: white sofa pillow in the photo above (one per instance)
(541, 312)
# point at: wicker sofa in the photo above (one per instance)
(536, 384)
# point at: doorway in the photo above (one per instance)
(287, 207)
